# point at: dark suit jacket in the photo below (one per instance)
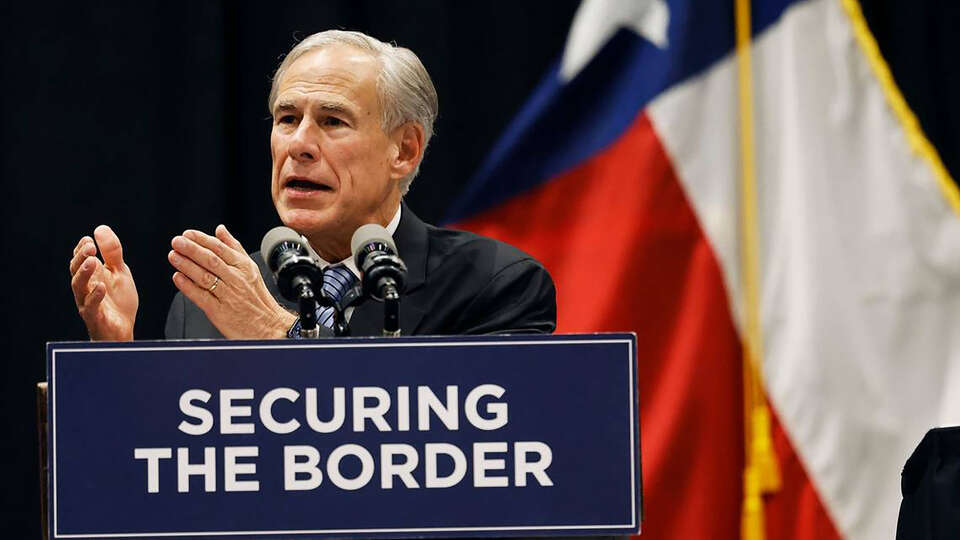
(457, 283)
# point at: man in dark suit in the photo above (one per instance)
(457, 283)
(352, 117)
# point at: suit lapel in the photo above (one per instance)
(411, 239)
(367, 319)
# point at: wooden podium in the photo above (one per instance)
(42, 438)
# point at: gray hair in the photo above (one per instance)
(404, 87)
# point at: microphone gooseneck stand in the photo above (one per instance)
(391, 313)
(383, 279)
(307, 307)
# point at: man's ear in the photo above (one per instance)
(408, 142)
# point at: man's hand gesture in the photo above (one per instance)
(217, 275)
(104, 291)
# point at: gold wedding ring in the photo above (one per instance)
(216, 281)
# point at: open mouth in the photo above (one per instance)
(305, 185)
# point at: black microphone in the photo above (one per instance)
(298, 276)
(384, 273)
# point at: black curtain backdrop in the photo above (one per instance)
(151, 117)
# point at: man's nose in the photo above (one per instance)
(305, 144)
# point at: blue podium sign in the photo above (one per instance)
(406, 437)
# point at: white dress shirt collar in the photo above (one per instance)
(349, 262)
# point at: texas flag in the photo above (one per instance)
(624, 174)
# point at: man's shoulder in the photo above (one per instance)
(480, 285)
(480, 253)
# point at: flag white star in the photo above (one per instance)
(597, 21)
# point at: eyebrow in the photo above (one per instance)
(326, 106)
(284, 106)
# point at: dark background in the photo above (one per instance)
(151, 117)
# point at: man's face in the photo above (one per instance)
(331, 158)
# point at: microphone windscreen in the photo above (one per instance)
(275, 237)
(367, 234)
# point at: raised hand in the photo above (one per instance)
(217, 275)
(104, 291)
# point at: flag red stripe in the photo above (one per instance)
(627, 253)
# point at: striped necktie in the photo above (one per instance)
(337, 280)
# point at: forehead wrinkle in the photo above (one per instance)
(339, 72)
(313, 75)
(336, 89)
(327, 77)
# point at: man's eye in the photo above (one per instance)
(287, 119)
(333, 121)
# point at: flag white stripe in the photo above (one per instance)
(860, 257)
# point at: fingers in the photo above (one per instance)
(205, 262)
(94, 298)
(217, 246)
(110, 248)
(84, 250)
(224, 235)
(83, 241)
(80, 283)
(201, 259)
(193, 271)
(201, 297)
(248, 269)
